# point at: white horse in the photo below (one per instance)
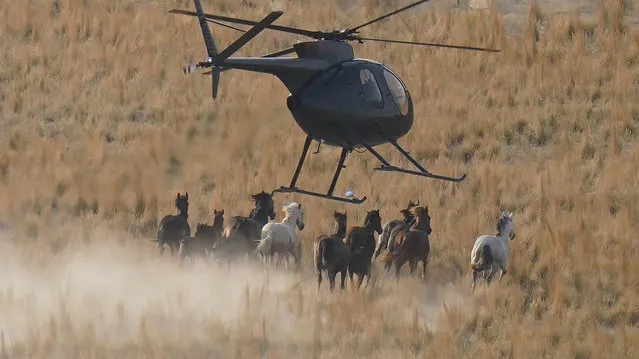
(492, 251)
(281, 237)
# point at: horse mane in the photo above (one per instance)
(289, 208)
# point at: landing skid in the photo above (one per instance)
(390, 168)
(384, 167)
(331, 189)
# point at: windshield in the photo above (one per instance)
(370, 90)
(398, 91)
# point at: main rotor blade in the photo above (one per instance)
(206, 32)
(247, 36)
(354, 29)
(290, 50)
(225, 25)
(211, 17)
(430, 44)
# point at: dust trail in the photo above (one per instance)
(112, 289)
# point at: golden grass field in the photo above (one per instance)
(99, 129)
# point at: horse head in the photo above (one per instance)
(218, 218)
(408, 215)
(411, 204)
(300, 217)
(182, 203)
(422, 216)
(264, 201)
(506, 226)
(373, 218)
(340, 218)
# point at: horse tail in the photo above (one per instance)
(325, 247)
(399, 248)
(265, 243)
(482, 259)
(383, 240)
(390, 256)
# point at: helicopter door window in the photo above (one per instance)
(398, 92)
(370, 89)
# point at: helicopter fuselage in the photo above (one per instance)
(336, 98)
(351, 102)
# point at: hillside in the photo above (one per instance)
(99, 129)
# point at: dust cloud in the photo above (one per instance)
(112, 289)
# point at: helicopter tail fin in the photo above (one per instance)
(216, 59)
(211, 49)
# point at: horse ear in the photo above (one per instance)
(178, 196)
(222, 211)
(187, 195)
(510, 215)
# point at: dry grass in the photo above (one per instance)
(99, 129)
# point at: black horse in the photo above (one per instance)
(204, 240)
(172, 228)
(361, 242)
(243, 233)
(331, 253)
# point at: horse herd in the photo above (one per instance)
(348, 250)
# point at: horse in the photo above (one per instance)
(205, 238)
(172, 229)
(412, 244)
(331, 253)
(392, 227)
(361, 243)
(492, 251)
(246, 230)
(282, 237)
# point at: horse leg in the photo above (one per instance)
(343, 275)
(161, 248)
(475, 275)
(502, 273)
(331, 277)
(360, 279)
(424, 262)
(412, 263)
(398, 266)
(490, 275)
(319, 279)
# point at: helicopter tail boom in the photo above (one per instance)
(217, 59)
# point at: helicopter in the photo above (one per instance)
(337, 99)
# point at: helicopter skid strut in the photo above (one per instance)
(329, 194)
(384, 167)
(390, 168)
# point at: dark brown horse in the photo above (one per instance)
(412, 244)
(205, 238)
(391, 228)
(246, 232)
(331, 253)
(361, 243)
(172, 228)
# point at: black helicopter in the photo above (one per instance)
(335, 98)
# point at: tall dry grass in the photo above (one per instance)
(99, 129)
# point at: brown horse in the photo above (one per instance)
(391, 228)
(361, 242)
(331, 254)
(412, 244)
